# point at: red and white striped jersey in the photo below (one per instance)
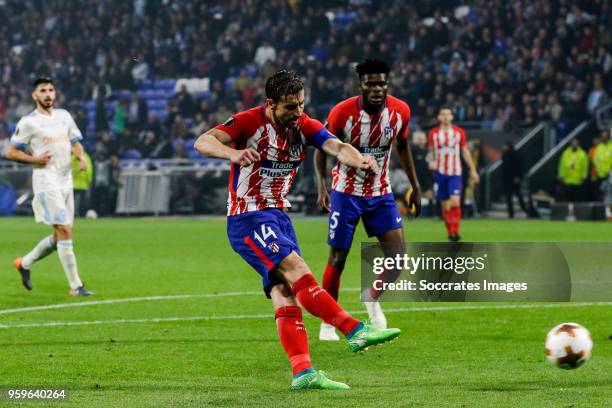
(447, 145)
(265, 183)
(371, 135)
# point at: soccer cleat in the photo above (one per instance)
(454, 238)
(316, 381)
(80, 291)
(369, 335)
(25, 273)
(328, 333)
(377, 317)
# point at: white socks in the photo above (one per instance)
(68, 260)
(41, 250)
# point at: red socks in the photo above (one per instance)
(292, 334)
(331, 280)
(452, 219)
(455, 218)
(446, 216)
(319, 303)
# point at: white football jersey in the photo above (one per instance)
(39, 133)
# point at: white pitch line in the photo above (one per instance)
(269, 315)
(137, 299)
(123, 300)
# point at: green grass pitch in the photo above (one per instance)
(223, 350)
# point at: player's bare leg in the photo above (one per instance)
(63, 237)
(331, 283)
(293, 337)
(319, 303)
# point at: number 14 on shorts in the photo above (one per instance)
(266, 232)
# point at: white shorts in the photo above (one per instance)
(54, 207)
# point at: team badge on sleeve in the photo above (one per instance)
(229, 122)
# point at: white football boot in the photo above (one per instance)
(328, 333)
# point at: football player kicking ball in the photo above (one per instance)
(266, 145)
(45, 138)
(447, 144)
(371, 122)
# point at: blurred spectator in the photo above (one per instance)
(137, 111)
(575, 112)
(148, 145)
(602, 159)
(141, 69)
(120, 117)
(154, 125)
(106, 185)
(265, 53)
(199, 125)
(220, 116)
(185, 103)
(179, 129)
(593, 184)
(163, 149)
(81, 184)
(4, 140)
(101, 118)
(179, 150)
(80, 118)
(512, 174)
(553, 108)
(573, 171)
(598, 96)
(424, 175)
(110, 145)
(101, 90)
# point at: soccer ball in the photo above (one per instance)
(91, 215)
(568, 345)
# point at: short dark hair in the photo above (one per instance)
(443, 107)
(283, 83)
(372, 66)
(42, 80)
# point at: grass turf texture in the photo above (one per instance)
(470, 358)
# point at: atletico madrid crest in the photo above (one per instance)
(388, 131)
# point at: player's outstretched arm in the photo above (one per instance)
(320, 165)
(15, 154)
(214, 144)
(347, 154)
(467, 156)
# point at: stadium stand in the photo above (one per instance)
(500, 65)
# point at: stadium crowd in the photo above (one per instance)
(499, 63)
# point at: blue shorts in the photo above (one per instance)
(446, 186)
(263, 239)
(379, 215)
